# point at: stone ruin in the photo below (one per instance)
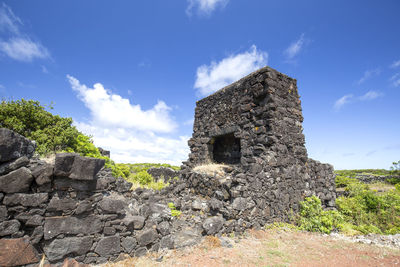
(255, 127)
(74, 208)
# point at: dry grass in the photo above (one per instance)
(50, 159)
(212, 169)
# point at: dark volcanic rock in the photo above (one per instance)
(9, 227)
(162, 173)
(43, 173)
(113, 204)
(26, 200)
(13, 145)
(108, 246)
(64, 204)
(16, 181)
(76, 167)
(60, 248)
(212, 225)
(147, 237)
(13, 165)
(54, 226)
(134, 222)
(129, 243)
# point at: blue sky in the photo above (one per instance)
(130, 72)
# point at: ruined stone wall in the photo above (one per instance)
(73, 207)
(263, 111)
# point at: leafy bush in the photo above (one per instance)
(313, 218)
(52, 133)
(174, 211)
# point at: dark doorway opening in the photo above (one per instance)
(226, 149)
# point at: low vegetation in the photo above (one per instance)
(362, 210)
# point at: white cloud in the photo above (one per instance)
(342, 101)
(368, 74)
(114, 111)
(395, 79)
(295, 47)
(370, 95)
(23, 49)
(347, 99)
(129, 132)
(15, 44)
(132, 146)
(205, 7)
(213, 77)
(395, 64)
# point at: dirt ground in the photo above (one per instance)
(272, 248)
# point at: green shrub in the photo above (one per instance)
(174, 211)
(313, 218)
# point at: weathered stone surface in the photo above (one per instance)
(37, 235)
(167, 242)
(13, 145)
(16, 181)
(16, 252)
(140, 252)
(240, 203)
(3, 213)
(76, 167)
(26, 200)
(122, 185)
(54, 226)
(43, 174)
(65, 184)
(134, 222)
(212, 225)
(108, 246)
(113, 204)
(163, 228)
(83, 207)
(64, 204)
(35, 220)
(187, 237)
(147, 237)
(13, 165)
(129, 243)
(9, 227)
(59, 248)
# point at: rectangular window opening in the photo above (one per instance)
(226, 149)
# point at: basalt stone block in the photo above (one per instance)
(60, 248)
(213, 225)
(3, 213)
(13, 165)
(54, 226)
(129, 243)
(16, 252)
(13, 145)
(76, 167)
(134, 222)
(113, 204)
(43, 174)
(64, 204)
(9, 227)
(16, 181)
(108, 246)
(26, 200)
(35, 220)
(186, 237)
(122, 185)
(147, 237)
(65, 184)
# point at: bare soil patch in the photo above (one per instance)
(273, 248)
